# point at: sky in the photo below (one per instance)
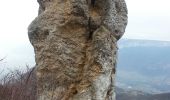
(148, 19)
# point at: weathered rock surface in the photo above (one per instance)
(75, 48)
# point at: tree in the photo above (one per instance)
(75, 48)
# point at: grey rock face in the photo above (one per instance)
(75, 48)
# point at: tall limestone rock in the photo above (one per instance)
(75, 48)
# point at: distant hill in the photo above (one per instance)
(144, 65)
(138, 95)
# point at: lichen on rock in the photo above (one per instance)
(75, 48)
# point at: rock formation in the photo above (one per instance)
(75, 48)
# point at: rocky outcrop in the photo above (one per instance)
(75, 48)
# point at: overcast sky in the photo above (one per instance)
(148, 19)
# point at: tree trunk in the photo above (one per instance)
(75, 44)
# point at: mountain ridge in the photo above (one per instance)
(144, 65)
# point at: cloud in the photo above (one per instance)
(148, 19)
(14, 20)
(148, 7)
